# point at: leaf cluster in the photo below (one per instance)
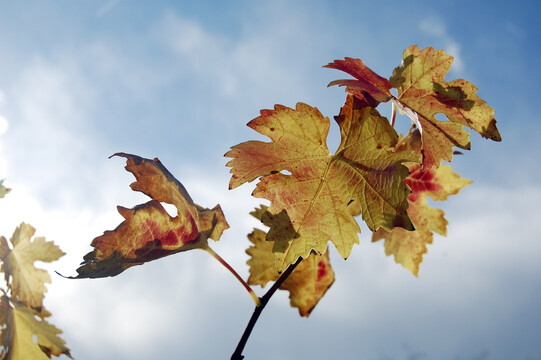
(315, 197)
(22, 315)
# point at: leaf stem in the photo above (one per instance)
(256, 299)
(393, 116)
(237, 355)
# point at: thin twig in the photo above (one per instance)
(256, 299)
(237, 355)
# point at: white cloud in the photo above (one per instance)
(435, 27)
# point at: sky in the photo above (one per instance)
(178, 80)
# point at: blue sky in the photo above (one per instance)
(81, 80)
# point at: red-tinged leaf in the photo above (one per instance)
(148, 231)
(306, 284)
(27, 283)
(310, 206)
(408, 247)
(423, 90)
(369, 87)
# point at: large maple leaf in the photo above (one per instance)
(307, 284)
(21, 327)
(423, 93)
(27, 283)
(310, 205)
(408, 247)
(148, 231)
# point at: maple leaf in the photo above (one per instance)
(306, 284)
(148, 231)
(21, 326)
(422, 94)
(313, 201)
(27, 282)
(408, 247)
(422, 88)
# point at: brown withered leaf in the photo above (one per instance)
(148, 231)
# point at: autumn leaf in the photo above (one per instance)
(408, 247)
(148, 231)
(27, 283)
(313, 200)
(423, 93)
(422, 88)
(306, 284)
(20, 326)
(368, 87)
(3, 190)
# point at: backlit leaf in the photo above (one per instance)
(423, 93)
(369, 86)
(408, 247)
(148, 231)
(423, 89)
(27, 283)
(21, 326)
(306, 284)
(313, 200)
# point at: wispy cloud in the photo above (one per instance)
(435, 26)
(107, 7)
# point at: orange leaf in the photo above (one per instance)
(149, 232)
(313, 200)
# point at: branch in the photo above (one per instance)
(237, 355)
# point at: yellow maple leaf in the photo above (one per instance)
(313, 200)
(306, 284)
(420, 81)
(149, 232)
(408, 247)
(21, 326)
(27, 283)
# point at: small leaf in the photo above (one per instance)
(408, 247)
(27, 282)
(313, 201)
(422, 88)
(306, 284)
(149, 232)
(21, 326)
(369, 87)
(3, 190)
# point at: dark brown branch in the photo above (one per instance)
(237, 355)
